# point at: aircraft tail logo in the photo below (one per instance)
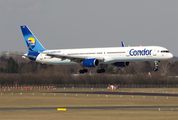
(31, 43)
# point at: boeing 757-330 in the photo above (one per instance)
(92, 57)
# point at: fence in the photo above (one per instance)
(47, 87)
(25, 88)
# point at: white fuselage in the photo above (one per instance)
(108, 55)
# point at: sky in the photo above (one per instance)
(60, 24)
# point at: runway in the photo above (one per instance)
(123, 93)
(89, 108)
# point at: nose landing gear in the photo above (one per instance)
(156, 66)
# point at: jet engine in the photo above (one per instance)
(90, 62)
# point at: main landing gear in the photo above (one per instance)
(156, 66)
(86, 70)
(100, 71)
(83, 71)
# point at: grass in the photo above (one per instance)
(71, 100)
(91, 114)
(39, 99)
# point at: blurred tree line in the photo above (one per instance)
(15, 69)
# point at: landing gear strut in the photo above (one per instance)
(156, 66)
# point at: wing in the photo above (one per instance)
(77, 59)
(73, 58)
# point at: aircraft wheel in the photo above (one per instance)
(81, 71)
(98, 71)
(85, 70)
(155, 69)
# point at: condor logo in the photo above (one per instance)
(144, 52)
(31, 42)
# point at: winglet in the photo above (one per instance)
(122, 44)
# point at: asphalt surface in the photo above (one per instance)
(123, 93)
(89, 108)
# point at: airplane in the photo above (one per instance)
(92, 57)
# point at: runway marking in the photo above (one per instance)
(61, 109)
(89, 108)
(122, 93)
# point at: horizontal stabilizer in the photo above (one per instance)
(29, 56)
(23, 55)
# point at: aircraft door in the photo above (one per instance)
(154, 52)
(127, 53)
(41, 57)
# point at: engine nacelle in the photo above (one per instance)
(121, 64)
(90, 62)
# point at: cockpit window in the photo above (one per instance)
(164, 51)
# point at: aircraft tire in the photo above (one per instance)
(98, 71)
(81, 71)
(85, 70)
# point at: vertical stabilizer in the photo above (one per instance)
(31, 41)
